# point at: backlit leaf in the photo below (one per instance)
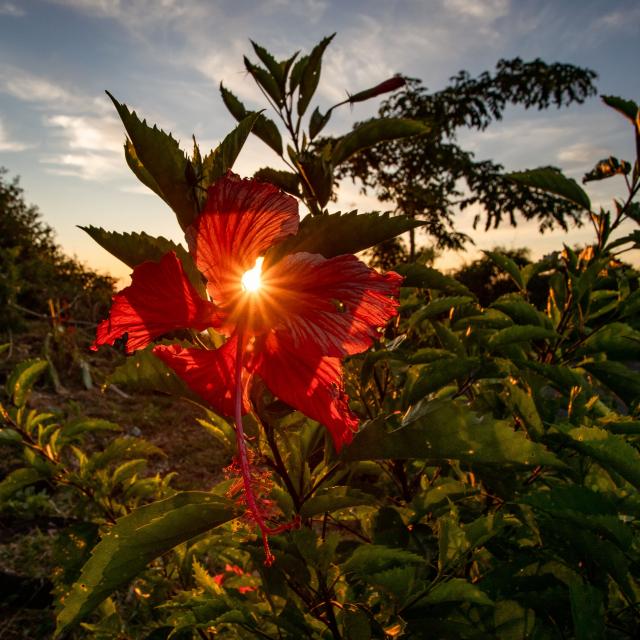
(553, 181)
(373, 132)
(134, 541)
(338, 234)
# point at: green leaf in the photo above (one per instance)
(553, 181)
(135, 248)
(520, 333)
(331, 499)
(268, 83)
(524, 405)
(125, 448)
(142, 371)
(508, 265)
(447, 430)
(437, 374)
(622, 380)
(22, 379)
(338, 234)
(139, 170)
(521, 311)
(263, 127)
(79, 426)
(618, 340)
(584, 509)
(457, 590)
(285, 180)
(439, 306)
(16, 480)
(373, 132)
(628, 108)
(310, 74)
(610, 450)
(221, 159)
(418, 275)
(374, 558)
(134, 541)
(270, 62)
(587, 611)
(318, 122)
(165, 162)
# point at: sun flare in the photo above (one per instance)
(252, 280)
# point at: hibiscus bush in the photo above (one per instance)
(402, 460)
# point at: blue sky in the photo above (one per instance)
(165, 58)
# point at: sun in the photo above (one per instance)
(252, 280)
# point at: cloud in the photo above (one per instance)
(10, 9)
(6, 144)
(486, 10)
(88, 166)
(92, 147)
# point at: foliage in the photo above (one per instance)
(491, 491)
(33, 269)
(430, 177)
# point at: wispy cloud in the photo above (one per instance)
(88, 166)
(12, 10)
(7, 144)
(43, 92)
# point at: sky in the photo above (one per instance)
(165, 58)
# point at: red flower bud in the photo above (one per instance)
(384, 87)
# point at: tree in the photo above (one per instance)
(33, 268)
(430, 176)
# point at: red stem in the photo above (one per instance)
(245, 466)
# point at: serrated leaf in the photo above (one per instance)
(135, 248)
(338, 234)
(520, 333)
(165, 162)
(79, 426)
(439, 373)
(374, 558)
(587, 611)
(584, 509)
(263, 127)
(375, 131)
(610, 450)
(125, 448)
(274, 67)
(221, 159)
(265, 80)
(457, 590)
(419, 275)
(142, 371)
(439, 306)
(628, 108)
(622, 380)
(310, 74)
(134, 541)
(139, 170)
(524, 405)
(553, 181)
(331, 499)
(521, 311)
(447, 430)
(618, 340)
(16, 480)
(507, 265)
(22, 379)
(317, 122)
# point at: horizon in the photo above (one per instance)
(60, 134)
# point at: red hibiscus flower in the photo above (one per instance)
(289, 322)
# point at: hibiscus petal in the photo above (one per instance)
(240, 221)
(333, 307)
(210, 374)
(160, 299)
(308, 383)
